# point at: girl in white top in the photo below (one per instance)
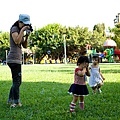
(96, 77)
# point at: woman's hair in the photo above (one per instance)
(16, 24)
(82, 59)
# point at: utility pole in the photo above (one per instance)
(65, 56)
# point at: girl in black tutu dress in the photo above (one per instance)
(79, 88)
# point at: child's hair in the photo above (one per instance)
(82, 59)
(96, 57)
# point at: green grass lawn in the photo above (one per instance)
(44, 94)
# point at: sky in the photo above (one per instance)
(85, 13)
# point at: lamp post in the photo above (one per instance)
(34, 54)
(65, 56)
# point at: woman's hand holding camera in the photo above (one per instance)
(25, 28)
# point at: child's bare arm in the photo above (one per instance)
(87, 71)
(101, 75)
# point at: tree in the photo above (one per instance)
(47, 41)
(4, 44)
(116, 31)
(98, 36)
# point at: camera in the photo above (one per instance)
(28, 31)
(31, 29)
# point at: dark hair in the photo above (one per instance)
(96, 57)
(16, 24)
(82, 59)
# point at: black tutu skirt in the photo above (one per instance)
(79, 90)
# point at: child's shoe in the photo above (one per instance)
(81, 105)
(16, 105)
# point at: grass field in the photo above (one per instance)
(44, 94)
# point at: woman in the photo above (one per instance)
(14, 58)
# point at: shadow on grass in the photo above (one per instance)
(50, 101)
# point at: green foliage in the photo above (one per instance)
(83, 36)
(49, 40)
(44, 94)
(4, 44)
(116, 31)
(98, 36)
(99, 28)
